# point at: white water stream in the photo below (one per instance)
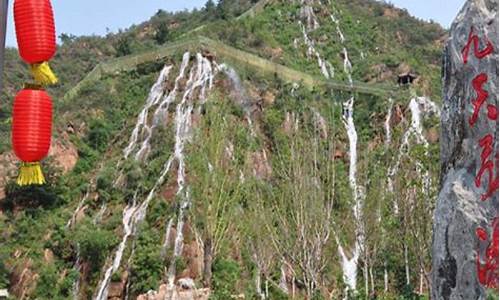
(418, 106)
(308, 16)
(387, 124)
(350, 265)
(241, 95)
(200, 78)
(141, 126)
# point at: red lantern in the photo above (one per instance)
(31, 133)
(36, 37)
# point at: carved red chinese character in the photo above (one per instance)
(482, 95)
(488, 165)
(492, 112)
(474, 39)
(487, 268)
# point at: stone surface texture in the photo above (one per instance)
(458, 253)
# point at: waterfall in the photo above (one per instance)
(141, 125)
(161, 112)
(311, 23)
(418, 106)
(326, 67)
(241, 95)
(350, 265)
(387, 124)
(127, 221)
(388, 140)
(72, 220)
(201, 77)
(307, 13)
(168, 233)
(76, 284)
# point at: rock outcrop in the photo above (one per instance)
(465, 240)
(177, 293)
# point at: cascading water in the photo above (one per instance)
(307, 13)
(127, 221)
(418, 106)
(141, 127)
(201, 77)
(326, 68)
(168, 233)
(161, 112)
(350, 265)
(388, 140)
(387, 124)
(72, 220)
(311, 23)
(240, 93)
(77, 267)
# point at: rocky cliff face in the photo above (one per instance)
(465, 241)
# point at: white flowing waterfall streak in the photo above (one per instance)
(350, 265)
(387, 124)
(388, 141)
(418, 106)
(201, 76)
(307, 13)
(79, 207)
(161, 112)
(168, 233)
(127, 221)
(71, 222)
(76, 283)
(154, 96)
(241, 94)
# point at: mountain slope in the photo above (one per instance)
(201, 164)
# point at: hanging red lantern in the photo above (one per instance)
(31, 133)
(36, 37)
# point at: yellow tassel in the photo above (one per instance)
(30, 173)
(42, 74)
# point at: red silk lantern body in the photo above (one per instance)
(35, 30)
(31, 125)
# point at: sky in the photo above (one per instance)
(85, 17)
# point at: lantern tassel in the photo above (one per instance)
(30, 173)
(43, 74)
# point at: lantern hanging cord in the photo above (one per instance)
(42, 74)
(30, 173)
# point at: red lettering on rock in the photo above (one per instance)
(492, 112)
(487, 165)
(482, 95)
(487, 268)
(474, 39)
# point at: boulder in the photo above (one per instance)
(465, 237)
(186, 283)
